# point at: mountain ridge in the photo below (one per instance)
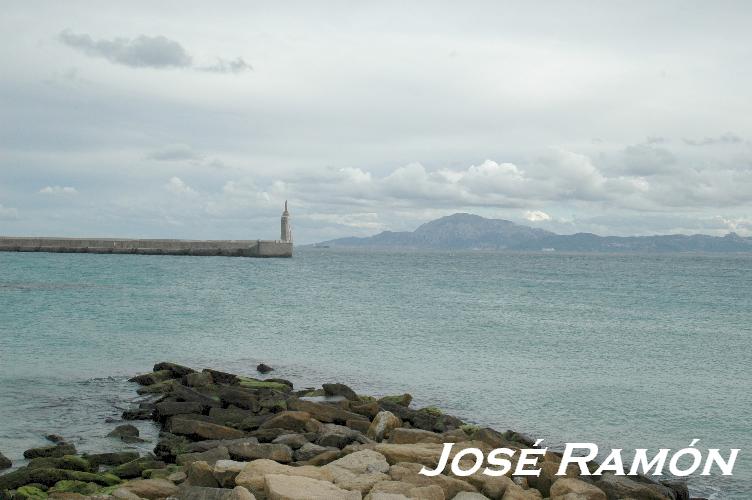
(463, 231)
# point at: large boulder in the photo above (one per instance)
(152, 378)
(249, 451)
(324, 412)
(420, 453)
(5, 462)
(281, 487)
(210, 456)
(152, 489)
(338, 436)
(188, 492)
(402, 435)
(382, 425)
(568, 485)
(111, 459)
(67, 462)
(225, 472)
(252, 476)
(222, 377)
(135, 468)
(48, 477)
(200, 473)
(167, 409)
(245, 399)
(57, 450)
(340, 390)
(126, 432)
(311, 450)
(290, 420)
(197, 429)
(177, 371)
(623, 487)
(362, 462)
(294, 441)
(410, 473)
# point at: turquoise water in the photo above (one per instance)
(626, 351)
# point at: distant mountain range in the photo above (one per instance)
(473, 232)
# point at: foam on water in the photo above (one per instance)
(625, 351)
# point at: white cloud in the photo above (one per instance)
(64, 190)
(536, 216)
(8, 213)
(176, 186)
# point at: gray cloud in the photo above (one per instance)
(142, 51)
(727, 138)
(235, 66)
(174, 152)
(8, 213)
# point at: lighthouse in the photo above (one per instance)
(286, 232)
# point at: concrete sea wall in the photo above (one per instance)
(229, 248)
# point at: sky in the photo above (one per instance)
(198, 120)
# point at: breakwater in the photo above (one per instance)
(228, 248)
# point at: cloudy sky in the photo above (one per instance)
(188, 120)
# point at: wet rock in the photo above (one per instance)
(340, 390)
(402, 399)
(239, 397)
(125, 432)
(67, 462)
(188, 394)
(152, 378)
(111, 459)
(584, 491)
(168, 409)
(382, 425)
(164, 387)
(48, 477)
(310, 450)
(294, 441)
(178, 371)
(623, 487)
(248, 451)
(264, 368)
(222, 377)
(280, 487)
(338, 436)
(198, 380)
(201, 430)
(54, 438)
(200, 474)
(137, 414)
(290, 420)
(210, 456)
(5, 462)
(57, 450)
(135, 468)
(152, 489)
(679, 487)
(237, 417)
(324, 412)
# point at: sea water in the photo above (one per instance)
(627, 351)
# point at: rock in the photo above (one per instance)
(135, 468)
(401, 435)
(585, 491)
(325, 457)
(348, 480)
(279, 487)
(67, 462)
(249, 451)
(178, 371)
(225, 472)
(264, 368)
(152, 378)
(421, 453)
(188, 394)
(200, 474)
(678, 486)
(238, 417)
(337, 436)
(170, 446)
(623, 487)
(382, 425)
(48, 477)
(57, 450)
(308, 451)
(362, 462)
(430, 492)
(239, 397)
(221, 377)
(369, 410)
(358, 425)
(252, 476)
(402, 400)
(137, 414)
(201, 493)
(490, 486)
(202, 430)
(514, 492)
(124, 432)
(111, 459)
(168, 409)
(324, 412)
(409, 473)
(548, 477)
(5, 462)
(152, 489)
(30, 493)
(209, 456)
(491, 437)
(294, 441)
(54, 438)
(268, 435)
(340, 390)
(196, 380)
(69, 486)
(290, 420)
(466, 495)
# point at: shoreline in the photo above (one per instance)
(236, 435)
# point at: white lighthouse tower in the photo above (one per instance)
(286, 233)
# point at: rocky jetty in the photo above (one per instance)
(228, 437)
